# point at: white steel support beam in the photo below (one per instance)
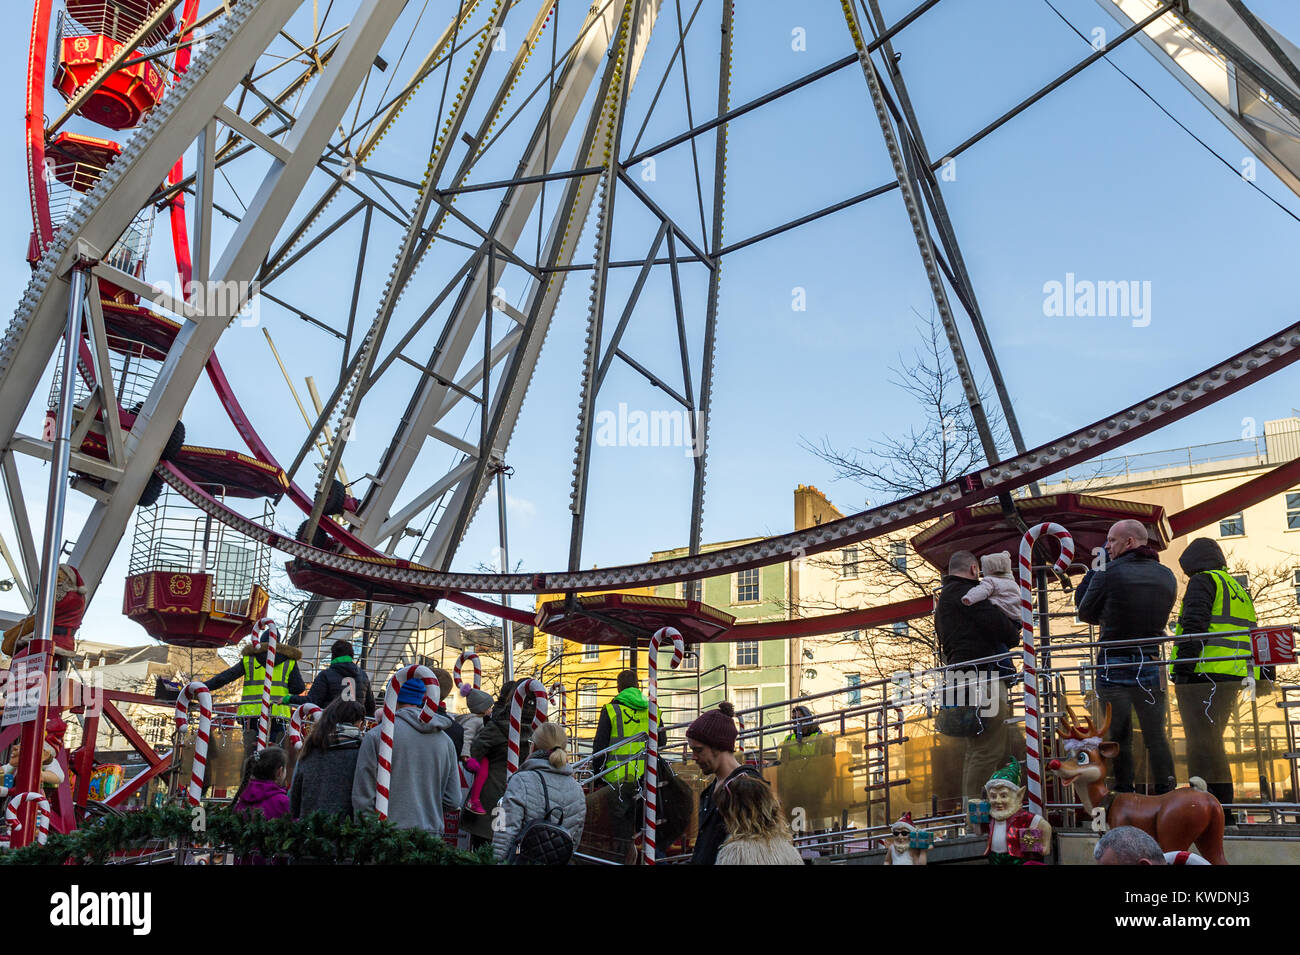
(239, 262)
(434, 400)
(467, 498)
(1248, 96)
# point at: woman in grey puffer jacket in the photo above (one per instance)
(547, 768)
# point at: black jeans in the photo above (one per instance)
(1151, 706)
(1206, 709)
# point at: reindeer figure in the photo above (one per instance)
(1175, 820)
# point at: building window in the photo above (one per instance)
(691, 660)
(692, 590)
(588, 706)
(747, 586)
(855, 696)
(849, 563)
(1234, 526)
(747, 653)
(554, 647)
(1293, 512)
(898, 554)
(590, 652)
(1297, 586)
(746, 698)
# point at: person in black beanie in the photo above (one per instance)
(712, 738)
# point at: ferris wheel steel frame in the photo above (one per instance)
(197, 106)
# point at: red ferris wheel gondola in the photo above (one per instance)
(90, 35)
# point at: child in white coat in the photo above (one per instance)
(996, 585)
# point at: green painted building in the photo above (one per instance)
(750, 673)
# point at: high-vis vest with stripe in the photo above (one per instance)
(624, 721)
(1232, 610)
(250, 704)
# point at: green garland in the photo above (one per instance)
(318, 839)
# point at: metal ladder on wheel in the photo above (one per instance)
(1291, 711)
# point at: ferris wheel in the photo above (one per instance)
(191, 161)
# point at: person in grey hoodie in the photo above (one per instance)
(545, 776)
(424, 779)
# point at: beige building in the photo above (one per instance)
(1262, 544)
(868, 574)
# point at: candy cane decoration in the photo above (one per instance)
(42, 814)
(295, 724)
(522, 689)
(662, 635)
(471, 657)
(557, 689)
(267, 626)
(384, 774)
(200, 692)
(1033, 748)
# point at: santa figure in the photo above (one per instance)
(69, 607)
(1016, 835)
(904, 843)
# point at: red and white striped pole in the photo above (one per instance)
(267, 627)
(42, 814)
(558, 690)
(199, 692)
(295, 724)
(1033, 742)
(468, 656)
(661, 636)
(384, 773)
(522, 689)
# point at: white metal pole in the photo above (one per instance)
(59, 459)
(507, 629)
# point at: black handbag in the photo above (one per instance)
(962, 722)
(542, 842)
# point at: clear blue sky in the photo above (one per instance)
(1094, 181)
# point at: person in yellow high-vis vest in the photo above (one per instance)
(287, 689)
(1210, 664)
(623, 725)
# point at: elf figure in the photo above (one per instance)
(1016, 835)
(907, 845)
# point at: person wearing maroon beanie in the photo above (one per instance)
(712, 738)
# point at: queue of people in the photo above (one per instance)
(1129, 596)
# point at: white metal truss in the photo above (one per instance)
(1241, 70)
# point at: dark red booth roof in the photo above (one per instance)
(619, 619)
(984, 530)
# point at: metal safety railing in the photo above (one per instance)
(881, 755)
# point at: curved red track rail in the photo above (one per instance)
(37, 55)
(1229, 376)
